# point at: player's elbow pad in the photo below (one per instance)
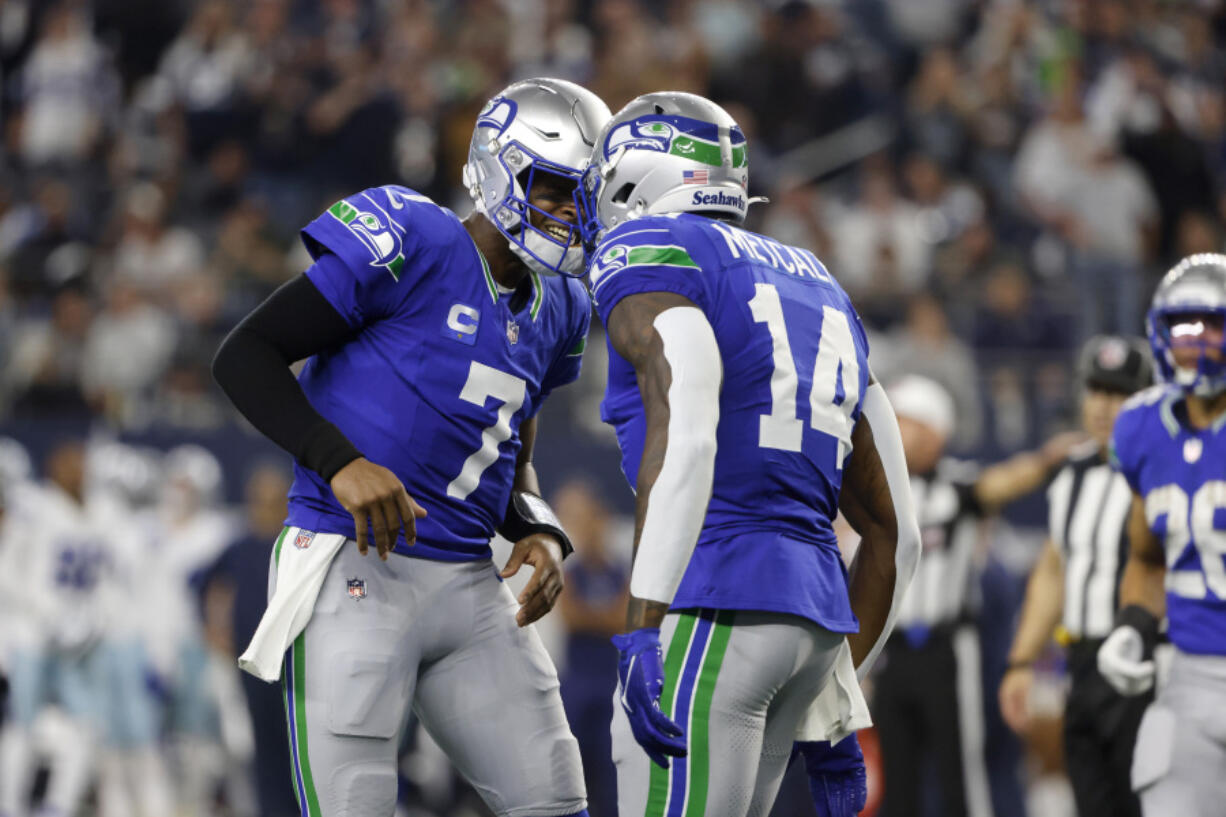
(678, 501)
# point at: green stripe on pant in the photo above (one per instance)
(700, 730)
(304, 762)
(657, 793)
(697, 722)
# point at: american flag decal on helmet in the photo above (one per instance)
(694, 176)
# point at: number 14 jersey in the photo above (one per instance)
(441, 369)
(795, 365)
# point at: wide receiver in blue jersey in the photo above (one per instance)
(741, 396)
(1170, 445)
(432, 343)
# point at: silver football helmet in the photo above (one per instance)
(1189, 309)
(534, 126)
(668, 152)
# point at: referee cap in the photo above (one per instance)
(925, 401)
(1117, 364)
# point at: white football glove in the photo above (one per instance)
(1120, 661)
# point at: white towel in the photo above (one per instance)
(839, 709)
(301, 566)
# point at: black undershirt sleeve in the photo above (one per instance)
(252, 368)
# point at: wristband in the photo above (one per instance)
(527, 514)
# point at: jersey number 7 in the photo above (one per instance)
(835, 389)
(485, 382)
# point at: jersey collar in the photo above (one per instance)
(538, 285)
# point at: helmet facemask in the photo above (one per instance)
(1190, 347)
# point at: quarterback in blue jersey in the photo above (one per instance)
(1169, 444)
(740, 392)
(431, 344)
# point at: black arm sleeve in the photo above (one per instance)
(252, 368)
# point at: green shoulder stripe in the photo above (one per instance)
(660, 256)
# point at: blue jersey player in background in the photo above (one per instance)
(1170, 445)
(740, 392)
(432, 343)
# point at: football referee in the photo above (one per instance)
(927, 695)
(1076, 582)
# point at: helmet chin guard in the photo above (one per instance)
(535, 126)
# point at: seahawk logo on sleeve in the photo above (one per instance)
(377, 236)
(614, 258)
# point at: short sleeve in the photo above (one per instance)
(567, 366)
(371, 243)
(1123, 456)
(644, 260)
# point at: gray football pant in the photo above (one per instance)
(739, 683)
(440, 637)
(1179, 764)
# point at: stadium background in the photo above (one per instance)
(992, 181)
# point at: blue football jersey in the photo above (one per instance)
(439, 372)
(1181, 474)
(795, 367)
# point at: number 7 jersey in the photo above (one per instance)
(1180, 473)
(795, 365)
(441, 369)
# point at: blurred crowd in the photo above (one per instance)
(993, 181)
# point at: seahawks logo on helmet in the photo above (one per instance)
(638, 135)
(379, 239)
(498, 113)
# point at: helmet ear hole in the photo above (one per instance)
(623, 194)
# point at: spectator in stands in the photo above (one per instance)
(68, 90)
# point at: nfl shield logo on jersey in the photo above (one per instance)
(512, 331)
(357, 589)
(304, 538)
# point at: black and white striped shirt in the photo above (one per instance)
(950, 528)
(1088, 505)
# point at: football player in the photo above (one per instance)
(432, 344)
(740, 392)
(64, 567)
(1168, 443)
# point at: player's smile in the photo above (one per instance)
(552, 200)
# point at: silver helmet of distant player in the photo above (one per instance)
(668, 152)
(191, 481)
(1187, 315)
(534, 127)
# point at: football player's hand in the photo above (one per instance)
(1121, 660)
(837, 779)
(640, 676)
(372, 493)
(544, 553)
(1015, 698)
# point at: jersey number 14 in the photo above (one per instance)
(835, 389)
